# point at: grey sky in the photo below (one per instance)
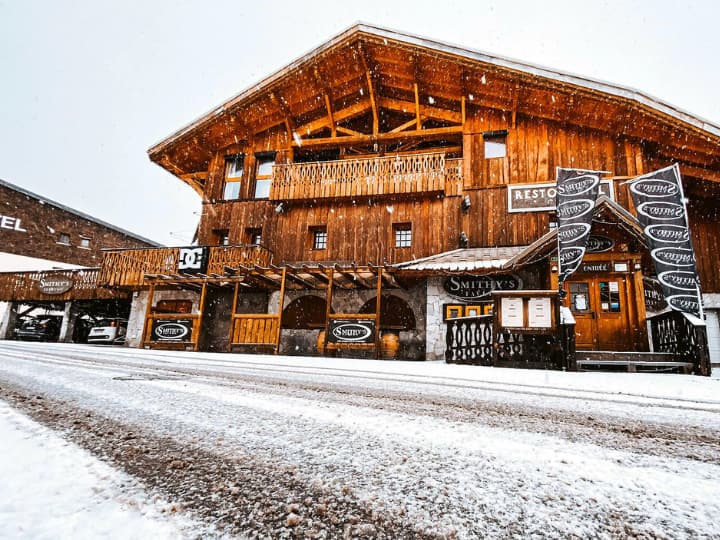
(86, 87)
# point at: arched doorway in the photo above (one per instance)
(395, 313)
(304, 313)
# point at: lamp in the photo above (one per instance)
(463, 240)
(466, 203)
(280, 208)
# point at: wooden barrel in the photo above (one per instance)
(320, 342)
(389, 345)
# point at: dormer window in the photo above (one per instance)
(495, 144)
(233, 177)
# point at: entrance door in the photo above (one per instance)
(599, 305)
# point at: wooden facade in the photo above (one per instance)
(380, 148)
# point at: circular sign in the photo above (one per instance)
(599, 244)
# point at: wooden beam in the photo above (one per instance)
(418, 122)
(347, 113)
(404, 126)
(200, 318)
(371, 87)
(282, 107)
(378, 301)
(427, 134)
(347, 131)
(427, 111)
(281, 301)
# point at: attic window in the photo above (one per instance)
(495, 144)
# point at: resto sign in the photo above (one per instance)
(541, 197)
(480, 287)
(351, 331)
(55, 285)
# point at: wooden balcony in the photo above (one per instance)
(53, 286)
(127, 267)
(367, 177)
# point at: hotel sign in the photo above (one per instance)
(541, 197)
(55, 285)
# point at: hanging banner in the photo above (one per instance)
(577, 191)
(659, 201)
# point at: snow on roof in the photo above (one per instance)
(10, 262)
(464, 259)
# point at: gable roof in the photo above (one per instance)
(547, 243)
(389, 55)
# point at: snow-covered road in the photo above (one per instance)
(309, 447)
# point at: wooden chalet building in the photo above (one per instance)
(382, 165)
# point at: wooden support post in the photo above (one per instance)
(232, 317)
(281, 301)
(378, 301)
(200, 316)
(328, 309)
(148, 309)
(418, 122)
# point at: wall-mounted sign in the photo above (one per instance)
(351, 331)
(480, 287)
(171, 330)
(511, 312)
(55, 285)
(599, 244)
(11, 223)
(594, 267)
(541, 197)
(540, 312)
(193, 260)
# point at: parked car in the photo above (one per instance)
(108, 332)
(45, 328)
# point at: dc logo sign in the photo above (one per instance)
(193, 259)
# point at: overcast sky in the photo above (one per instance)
(86, 87)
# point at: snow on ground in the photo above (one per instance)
(446, 448)
(52, 489)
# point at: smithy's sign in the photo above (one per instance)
(658, 199)
(541, 197)
(576, 193)
(480, 287)
(351, 331)
(171, 330)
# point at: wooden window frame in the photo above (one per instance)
(234, 176)
(262, 179)
(222, 237)
(318, 237)
(63, 239)
(402, 234)
(498, 138)
(253, 235)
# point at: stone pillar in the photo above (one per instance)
(8, 319)
(136, 319)
(67, 327)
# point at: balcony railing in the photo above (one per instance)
(127, 268)
(52, 285)
(406, 174)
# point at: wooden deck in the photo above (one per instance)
(36, 286)
(367, 177)
(127, 268)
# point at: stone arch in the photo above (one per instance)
(395, 313)
(304, 313)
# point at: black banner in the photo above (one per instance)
(577, 191)
(658, 199)
(171, 330)
(193, 260)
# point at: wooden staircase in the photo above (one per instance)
(647, 362)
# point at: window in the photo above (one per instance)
(253, 236)
(64, 239)
(609, 297)
(319, 237)
(403, 234)
(495, 144)
(263, 175)
(222, 237)
(233, 177)
(85, 243)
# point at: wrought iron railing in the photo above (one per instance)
(469, 340)
(683, 336)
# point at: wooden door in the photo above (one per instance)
(600, 308)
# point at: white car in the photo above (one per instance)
(108, 332)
